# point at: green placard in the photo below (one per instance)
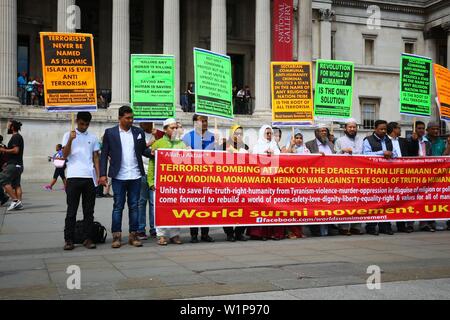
(213, 84)
(152, 87)
(415, 85)
(334, 89)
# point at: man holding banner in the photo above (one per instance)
(438, 149)
(200, 139)
(168, 141)
(378, 144)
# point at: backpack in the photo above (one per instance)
(98, 232)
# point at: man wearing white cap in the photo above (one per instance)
(168, 141)
(349, 144)
(321, 144)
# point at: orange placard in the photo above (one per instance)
(292, 99)
(69, 72)
(442, 78)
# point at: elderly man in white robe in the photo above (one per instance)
(349, 144)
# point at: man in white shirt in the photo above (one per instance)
(349, 144)
(124, 145)
(81, 151)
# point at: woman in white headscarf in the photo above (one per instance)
(266, 144)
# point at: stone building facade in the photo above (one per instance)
(372, 33)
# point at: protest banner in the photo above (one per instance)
(415, 85)
(213, 84)
(195, 188)
(292, 101)
(153, 87)
(442, 79)
(68, 68)
(283, 30)
(334, 89)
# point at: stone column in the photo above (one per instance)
(104, 47)
(171, 42)
(67, 17)
(8, 52)
(304, 30)
(262, 56)
(120, 77)
(219, 26)
(326, 15)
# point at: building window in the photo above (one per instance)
(369, 51)
(409, 47)
(369, 112)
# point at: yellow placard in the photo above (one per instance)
(68, 66)
(292, 98)
(442, 77)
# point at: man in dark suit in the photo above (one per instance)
(404, 148)
(124, 145)
(321, 145)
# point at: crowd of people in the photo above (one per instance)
(242, 99)
(30, 90)
(128, 151)
(124, 160)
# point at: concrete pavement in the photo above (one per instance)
(33, 264)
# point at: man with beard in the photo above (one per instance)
(349, 144)
(378, 144)
(320, 145)
(404, 148)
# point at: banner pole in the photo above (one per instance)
(414, 124)
(73, 121)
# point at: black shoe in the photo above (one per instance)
(427, 229)
(345, 232)
(240, 237)
(404, 229)
(69, 245)
(89, 244)
(355, 231)
(194, 239)
(388, 232)
(372, 232)
(410, 229)
(230, 238)
(207, 238)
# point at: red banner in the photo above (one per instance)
(283, 30)
(196, 188)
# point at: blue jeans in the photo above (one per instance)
(130, 190)
(146, 196)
